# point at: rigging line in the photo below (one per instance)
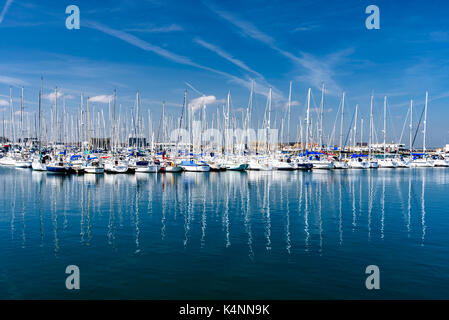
(417, 128)
(350, 129)
(390, 122)
(335, 122)
(403, 127)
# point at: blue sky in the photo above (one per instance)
(157, 46)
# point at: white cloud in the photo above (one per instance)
(101, 99)
(51, 96)
(17, 113)
(4, 103)
(197, 103)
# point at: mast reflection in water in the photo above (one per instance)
(229, 235)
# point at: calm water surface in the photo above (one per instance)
(231, 235)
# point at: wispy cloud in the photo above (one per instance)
(135, 41)
(317, 70)
(144, 45)
(152, 29)
(306, 27)
(12, 81)
(101, 99)
(5, 10)
(4, 103)
(225, 55)
(244, 27)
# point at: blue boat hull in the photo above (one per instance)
(56, 169)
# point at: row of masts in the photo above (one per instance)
(89, 128)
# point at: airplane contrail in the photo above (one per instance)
(5, 10)
(193, 88)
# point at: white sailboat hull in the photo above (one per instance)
(322, 165)
(441, 163)
(94, 170)
(22, 164)
(38, 166)
(387, 163)
(147, 169)
(173, 169)
(111, 168)
(341, 165)
(6, 161)
(196, 168)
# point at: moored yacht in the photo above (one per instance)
(58, 165)
(116, 165)
(359, 161)
(93, 165)
(146, 166)
(194, 166)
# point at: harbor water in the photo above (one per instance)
(225, 235)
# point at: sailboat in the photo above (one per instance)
(259, 164)
(359, 161)
(9, 159)
(39, 162)
(194, 165)
(147, 166)
(440, 161)
(341, 163)
(373, 164)
(420, 160)
(386, 161)
(171, 167)
(58, 165)
(93, 164)
(116, 165)
(23, 161)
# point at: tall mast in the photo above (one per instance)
(288, 112)
(40, 113)
(355, 124)
(12, 116)
(269, 118)
(227, 124)
(321, 116)
(341, 122)
(136, 124)
(425, 123)
(307, 118)
(88, 126)
(411, 125)
(248, 114)
(385, 125)
(56, 116)
(113, 121)
(361, 133)
(370, 126)
(21, 117)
